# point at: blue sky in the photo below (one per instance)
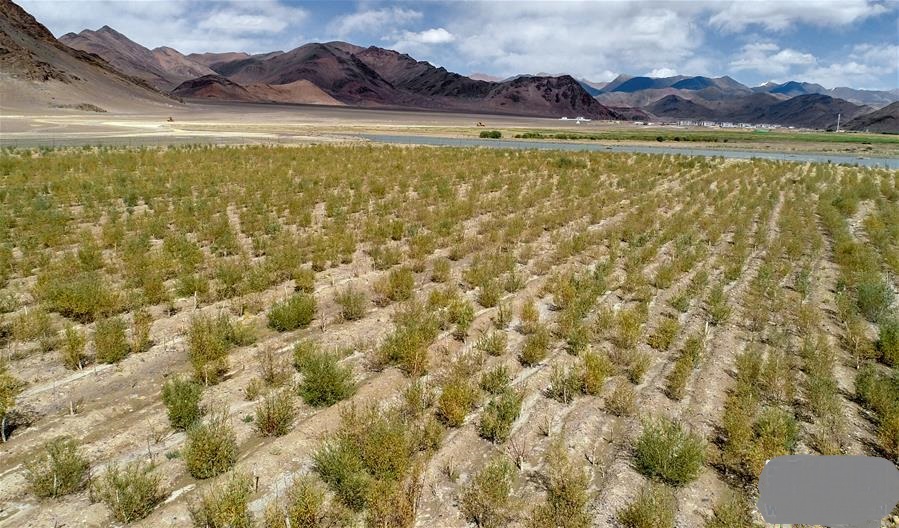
(835, 43)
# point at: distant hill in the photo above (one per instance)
(36, 70)
(885, 119)
(214, 87)
(644, 91)
(873, 98)
(376, 76)
(162, 67)
(808, 111)
(223, 89)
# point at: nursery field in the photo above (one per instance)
(360, 335)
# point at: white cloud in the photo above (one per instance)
(260, 16)
(867, 64)
(373, 21)
(769, 59)
(864, 66)
(428, 36)
(662, 72)
(778, 15)
(581, 38)
(186, 25)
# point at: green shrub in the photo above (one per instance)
(499, 415)
(211, 447)
(407, 346)
(73, 344)
(297, 311)
(10, 387)
(274, 368)
(530, 316)
(84, 297)
(130, 493)
(182, 401)
(394, 503)
(110, 343)
(140, 331)
(325, 381)
(417, 399)
(536, 347)
(490, 294)
(275, 415)
(457, 398)
(225, 505)
(397, 285)
(733, 511)
(664, 334)
(676, 382)
(666, 452)
(370, 447)
(654, 507)
(874, 297)
(490, 134)
(877, 392)
(888, 341)
(487, 500)
(623, 400)
(208, 341)
(567, 501)
(638, 363)
(496, 380)
(305, 505)
(627, 324)
(34, 324)
(304, 279)
(596, 369)
(59, 470)
(503, 315)
(460, 313)
(716, 306)
(564, 384)
(753, 441)
(441, 270)
(493, 343)
(353, 303)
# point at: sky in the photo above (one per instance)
(834, 43)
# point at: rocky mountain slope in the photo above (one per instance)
(162, 67)
(809, 111)
(379, 77)
(884, 120)
(37, 71)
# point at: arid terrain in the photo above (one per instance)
(434, 337)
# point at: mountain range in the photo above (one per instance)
(36, 70)
(103, 67)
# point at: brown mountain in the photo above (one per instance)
(807, 111)
(162, 67)
(329, 66)
(297, 92)
(37, 70)
(214, 87)
(223, 89)
(208, 59)
(884, 120)
(379, 77)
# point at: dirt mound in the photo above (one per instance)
(301, 91)
(213, 87)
